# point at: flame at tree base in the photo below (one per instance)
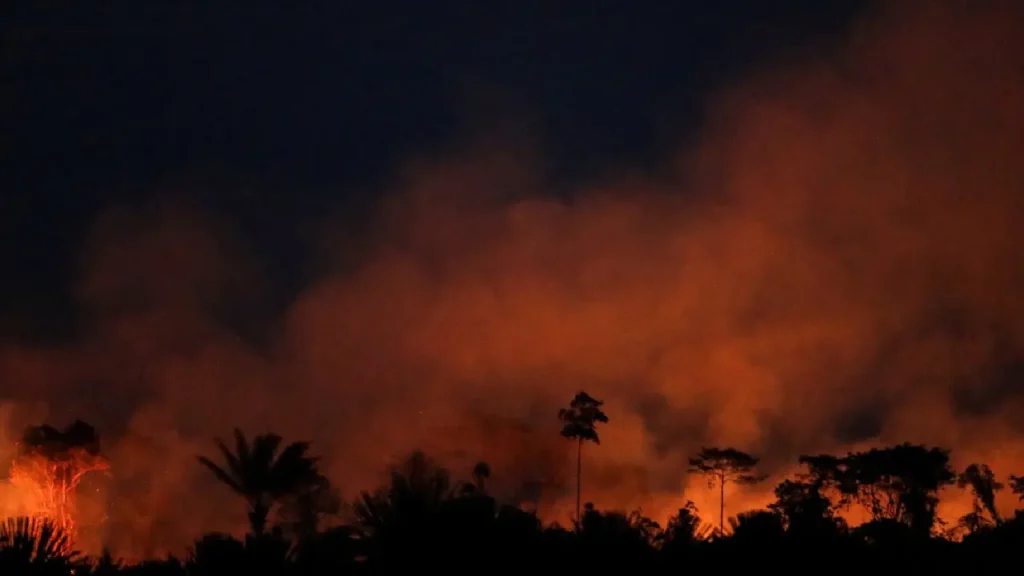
(47, 489)
(49, 466)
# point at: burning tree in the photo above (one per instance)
(51, 463)
(722, 466)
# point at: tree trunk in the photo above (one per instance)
(721, 506)
(579, 479)
(258, 518)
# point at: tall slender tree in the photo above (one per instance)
(721, 466)
(261, 475)
(579, 422)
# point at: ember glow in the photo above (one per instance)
(52, 486)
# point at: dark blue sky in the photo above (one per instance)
(273, 112)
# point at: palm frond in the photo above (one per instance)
(28, 541)
(242, 450)
(263, 450)
(294, 457)
(234, 464)
(223, 475)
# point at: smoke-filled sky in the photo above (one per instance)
(781, 229)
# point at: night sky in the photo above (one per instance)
(274, 113)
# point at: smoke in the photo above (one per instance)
(834, 264)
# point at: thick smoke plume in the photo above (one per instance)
(836, 263)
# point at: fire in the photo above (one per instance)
(49, 466)
(54, 484)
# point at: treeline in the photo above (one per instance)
(424, 518)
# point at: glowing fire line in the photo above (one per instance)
(54, 485)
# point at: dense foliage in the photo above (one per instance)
(423, 518)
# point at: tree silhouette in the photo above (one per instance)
(52, 463)
(336, 550)
(1017, 486)
(36, 546)
(757, 526)
(684, 530)
(481, 472)
(721, 466)
(217, 553)
(983, 485)
(579, 423)
(806, 512)
(260, 475)
(421, 516)
(611, 536)
(302, 513)
(898, 483)
(400, 517)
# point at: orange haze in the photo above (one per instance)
(835, 263)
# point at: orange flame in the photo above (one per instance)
(53, 485)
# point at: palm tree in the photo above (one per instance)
(579, 422)
(401, 517)
(418, 488)
(30, 545)
(301, 514)
(259, 474)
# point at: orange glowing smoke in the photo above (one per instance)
(53, 484)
